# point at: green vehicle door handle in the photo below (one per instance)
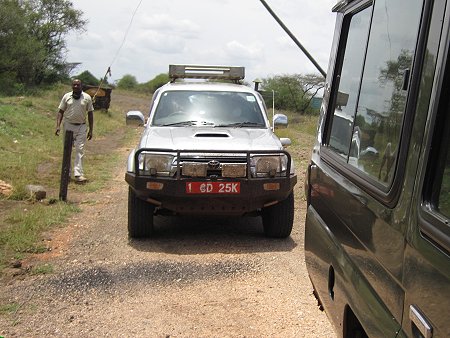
(420, 322)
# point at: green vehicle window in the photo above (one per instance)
(349, 80)
(382, 98)
(444, 194)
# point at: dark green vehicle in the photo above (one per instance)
(377, 236)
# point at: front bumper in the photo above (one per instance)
(171, 192)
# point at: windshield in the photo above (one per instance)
(208, 108)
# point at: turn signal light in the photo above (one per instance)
(155, 185)
(271, 186)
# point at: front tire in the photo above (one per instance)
(278, 219)
(140, 216)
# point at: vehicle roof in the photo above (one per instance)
(208, 86)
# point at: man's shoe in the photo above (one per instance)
(80, 179)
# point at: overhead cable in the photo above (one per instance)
(108, 71)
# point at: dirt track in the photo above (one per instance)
(196, 278)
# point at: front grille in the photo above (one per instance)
(213, 164)
(220, 158)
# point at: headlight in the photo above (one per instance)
(268, 165)
(156, 164)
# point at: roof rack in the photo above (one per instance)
(206, 72)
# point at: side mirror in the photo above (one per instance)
(280, 121)
(135, 118)
(285, 141)
(342, 99)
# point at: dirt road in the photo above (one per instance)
(196, 278)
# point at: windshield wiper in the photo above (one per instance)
(189, 123)
(242, 124)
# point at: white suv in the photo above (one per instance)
(208, 149)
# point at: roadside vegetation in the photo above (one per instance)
(30, 154)
(301, 131)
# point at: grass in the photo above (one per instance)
(301, 131)
(23, 227)
(300, 127)
(9, 308)
(42, 269)
(30, 153)
(27, 128)
(23, 128)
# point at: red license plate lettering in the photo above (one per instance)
(213, 187)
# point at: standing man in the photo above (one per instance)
(74, 107)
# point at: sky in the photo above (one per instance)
(142, 37)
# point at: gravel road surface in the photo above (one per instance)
(199, 277)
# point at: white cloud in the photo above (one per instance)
(171, 26)
(237, 50)
(160, 42)
(232, 32)
(285, 42)
(88, 40)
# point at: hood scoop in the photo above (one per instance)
(213, 135)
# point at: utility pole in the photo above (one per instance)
(65, 169)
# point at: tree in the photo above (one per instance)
(19, 53)
(32, 39)
(49, 22)
(152, 85)
(87, 78)
(394, 73)
(293, 92)
(127, 82)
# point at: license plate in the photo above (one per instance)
(213, 187)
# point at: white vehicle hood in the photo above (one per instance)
(208, 138)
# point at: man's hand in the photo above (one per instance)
(89, 135)
(59, 117)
